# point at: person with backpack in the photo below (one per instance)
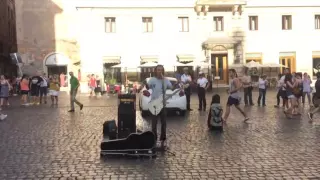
(215, 121)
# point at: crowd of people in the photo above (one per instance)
(34, 90)
(293, 88)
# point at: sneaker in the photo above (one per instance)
(246, 119)
(276, 106)
(310, 116)
(71, 110)
(3, 117)
(81, 106)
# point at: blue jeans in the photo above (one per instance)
(262, 94)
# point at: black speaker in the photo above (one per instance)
(15, 58)
(126, 115)
(110, 129)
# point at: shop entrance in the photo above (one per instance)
(57, 70)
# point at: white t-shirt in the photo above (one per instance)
(185, 78)
(202, 82)
(282, 82)
(246, 79)
(44, 82)
(262, 84)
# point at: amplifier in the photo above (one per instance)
(126, 115)
(110, 129)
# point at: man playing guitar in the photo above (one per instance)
(186, 80)
(159, 84)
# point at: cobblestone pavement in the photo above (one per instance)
(49, 143)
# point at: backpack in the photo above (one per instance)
(215, 117)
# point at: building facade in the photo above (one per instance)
(8, 40)
(91, 36)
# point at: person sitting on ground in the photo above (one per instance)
(215, 121)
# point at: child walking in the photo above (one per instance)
(215, 121)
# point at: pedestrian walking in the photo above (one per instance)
(247, 89)
(187, 80)
(290, 85)
(263, 83)
(44, 88)
(74, 83)
(279, 87)
(36, 81)
(202, 88)
(234, 95)
(92, 84)
(298, 89)
(284, 94)
(24, 90)
(306, 89)
(316, 100)
(97, 89)
(54, 89)
(4, 91)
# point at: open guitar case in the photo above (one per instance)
(136, 144)
(124, 139)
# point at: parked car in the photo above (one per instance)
(177, 102)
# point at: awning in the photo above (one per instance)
(111, 59)
(185, 57)
(226, 42)
(253, 55)
(220, 40)
(145, 59)
(77, 63)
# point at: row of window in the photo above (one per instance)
(218, 23)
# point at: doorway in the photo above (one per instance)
(57, 70)
(220, 67)
(289, 62)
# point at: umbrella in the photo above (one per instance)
(123, 66)
(236, 66)
(253, 64)
(178, 64)
(200, 64)
(148, 64)
(273, 65)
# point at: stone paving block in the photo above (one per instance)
(46, 142)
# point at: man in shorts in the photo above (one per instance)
(234, 96)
